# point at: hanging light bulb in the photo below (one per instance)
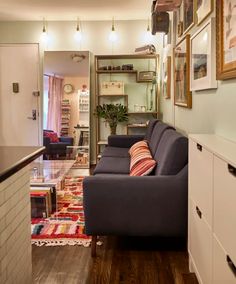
(44, 35)
(148, 38)
(78, 34)
(113, 35)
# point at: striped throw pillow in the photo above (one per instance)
(141, 161)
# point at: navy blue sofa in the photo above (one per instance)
(155, 205)
(56, 149)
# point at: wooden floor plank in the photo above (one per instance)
(119, 260)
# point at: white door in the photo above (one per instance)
(19, 109)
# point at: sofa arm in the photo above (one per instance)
(68, 140)
(139, 206)
(46, 143)
(124, 141)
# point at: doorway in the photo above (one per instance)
(19, 95)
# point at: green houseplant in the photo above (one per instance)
(113, 114)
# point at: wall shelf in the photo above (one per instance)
(135, 92)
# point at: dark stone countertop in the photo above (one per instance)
(14, 158)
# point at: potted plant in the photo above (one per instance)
(113, 114)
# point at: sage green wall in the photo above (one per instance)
(95, 39)
(213, 111)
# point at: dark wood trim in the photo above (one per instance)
(20, 164)
(93, 246)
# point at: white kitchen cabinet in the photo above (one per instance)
(212, 209)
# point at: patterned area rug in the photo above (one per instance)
(66, 225)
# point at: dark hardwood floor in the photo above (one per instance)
(119, 260)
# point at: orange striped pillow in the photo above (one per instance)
(141, 161)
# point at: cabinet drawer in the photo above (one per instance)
(225, 206)
(200, 244)
(224, 271)
(201, 178)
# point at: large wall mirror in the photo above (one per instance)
(66, 105)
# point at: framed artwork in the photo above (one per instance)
(203, 10)
(183, 96)
(166, 80)
(202, 63)
(226, 39)
(179, 21)
(188, 14)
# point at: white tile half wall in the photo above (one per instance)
(15, 233)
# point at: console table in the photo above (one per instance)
(15, 233)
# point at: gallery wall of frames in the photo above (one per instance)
(202, 44)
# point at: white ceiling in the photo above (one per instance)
(69, 10)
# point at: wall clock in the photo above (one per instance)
(68, 88)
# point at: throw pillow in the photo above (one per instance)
(141, 161)
(136, 147)
(52, 136)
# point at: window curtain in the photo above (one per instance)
(55, 92)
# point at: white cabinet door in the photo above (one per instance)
(225, 205)
(200, 244)
(200, 178)
(224, 271)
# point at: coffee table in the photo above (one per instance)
(50, 173)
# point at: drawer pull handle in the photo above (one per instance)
(199, 213)
(231, 265)
(199, 147)
(232, 170)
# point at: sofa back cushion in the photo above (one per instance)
(151, 125)
(157, 133)
(172, 153)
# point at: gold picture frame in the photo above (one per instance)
(189, 14)
(166, 80)
(225, 40)
(203, 9)
(182, 93)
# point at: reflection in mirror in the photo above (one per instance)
(66, 106)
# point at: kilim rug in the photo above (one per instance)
(66, 225)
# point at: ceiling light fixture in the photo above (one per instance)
(76, 57)
(148, 38)
(44, 35)
(113, 35)
(78, 34)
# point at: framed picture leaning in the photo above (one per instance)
(226, 39)
(202, 64)
(183, 95)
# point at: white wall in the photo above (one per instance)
(213, 111)
(95, 39)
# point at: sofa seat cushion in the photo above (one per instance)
(115, 152)
(113, 165)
